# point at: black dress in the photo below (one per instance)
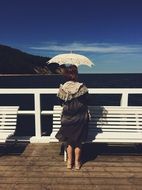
(74, 118)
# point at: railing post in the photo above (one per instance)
(37, 114)
(124, 99)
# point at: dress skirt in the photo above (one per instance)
(74, 122)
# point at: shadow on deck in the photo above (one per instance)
(91, 151)
(40, 166)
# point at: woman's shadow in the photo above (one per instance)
(98, 117)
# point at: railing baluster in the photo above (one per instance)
(124, 99)
(37, 114)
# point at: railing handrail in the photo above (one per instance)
(55, 90)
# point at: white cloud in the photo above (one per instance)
(90, 47)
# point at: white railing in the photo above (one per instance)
(37, 92)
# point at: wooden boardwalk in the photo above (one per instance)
(40, 167)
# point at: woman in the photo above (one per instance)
(74, 119)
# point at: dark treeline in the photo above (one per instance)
(14, 61)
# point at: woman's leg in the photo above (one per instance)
(77, 157)
(77, 154)
(70, 156)
(70, 152)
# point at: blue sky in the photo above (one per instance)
(109, 32)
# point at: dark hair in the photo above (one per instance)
(71, 73)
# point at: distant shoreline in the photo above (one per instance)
(3, 75)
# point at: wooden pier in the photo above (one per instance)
(41, 167)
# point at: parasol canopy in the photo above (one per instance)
(71, 58)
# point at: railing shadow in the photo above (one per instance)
(12, 148)
(92, 150)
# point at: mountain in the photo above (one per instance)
(14, 61)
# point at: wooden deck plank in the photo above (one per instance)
(70, 187)
(72, 181)
(61, 168)
(86, 175)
